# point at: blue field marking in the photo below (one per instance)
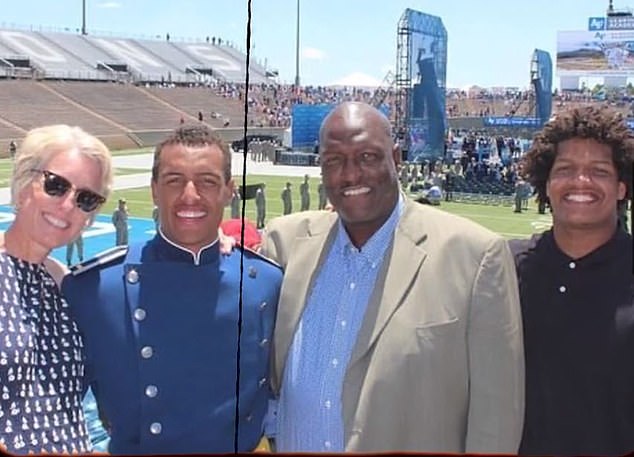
(98, 237)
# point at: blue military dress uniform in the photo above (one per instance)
(160, 334)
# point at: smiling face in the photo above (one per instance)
(583, 187)
(45, 222)
(358, 164)
(191, 192)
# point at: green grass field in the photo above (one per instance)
(500, 219)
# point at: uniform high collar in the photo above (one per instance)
(166, 250)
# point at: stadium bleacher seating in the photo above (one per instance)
(58, 55)
(195, 99)
(119, 88)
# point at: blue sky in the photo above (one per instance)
(490, 42)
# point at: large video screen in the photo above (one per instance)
(595, 54)
(428, 74)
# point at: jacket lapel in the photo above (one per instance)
(402, 263)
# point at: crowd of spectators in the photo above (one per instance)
(479, 102)
(621, 99)
(489, 159)
(473, 156)
(271, 103)
(475, 163)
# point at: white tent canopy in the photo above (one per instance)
(357, 79)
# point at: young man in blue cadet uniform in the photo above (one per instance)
(161, 321)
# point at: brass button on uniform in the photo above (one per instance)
(151, 391)
(147, 352)
(133, 277)
(156, 428)
(139, 314)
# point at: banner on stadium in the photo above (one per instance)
(511, 121)
(619, 23)
(611, 23)
(596, 23)
(601, 53)
(306, 120)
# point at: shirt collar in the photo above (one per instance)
(612, 249)
(374, 248)
(168, 250)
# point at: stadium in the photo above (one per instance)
(131, 92)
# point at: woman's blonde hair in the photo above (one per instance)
(41, 144)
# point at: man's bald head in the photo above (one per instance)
(352, 117)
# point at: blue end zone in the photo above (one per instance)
(98, 237)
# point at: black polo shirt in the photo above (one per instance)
(578, 320)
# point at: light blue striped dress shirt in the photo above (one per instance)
(310, 410)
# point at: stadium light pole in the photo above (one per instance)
(83, 17)
(297, 50)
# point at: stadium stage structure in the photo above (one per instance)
(420, 84)
(421, 77)
(419, 112)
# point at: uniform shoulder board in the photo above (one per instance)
(102, 258)
(260, 256)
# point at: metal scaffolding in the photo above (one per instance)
(418, 32)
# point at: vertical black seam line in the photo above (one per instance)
(236, 429)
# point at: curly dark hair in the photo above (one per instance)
(194, 136)
(600, 123)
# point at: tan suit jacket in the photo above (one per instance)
(438, 364)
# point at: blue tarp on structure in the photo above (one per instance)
(543, 84)
(306, 120)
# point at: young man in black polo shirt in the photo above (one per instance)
(576, 287)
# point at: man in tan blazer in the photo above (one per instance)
(398, 327)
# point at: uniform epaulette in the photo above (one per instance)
(261, 257)
(102, 258)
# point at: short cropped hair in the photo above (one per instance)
(599, 123)
(193, 136)
(41, 144)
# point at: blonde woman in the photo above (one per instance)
(62, 175)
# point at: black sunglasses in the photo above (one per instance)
(58, 186)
